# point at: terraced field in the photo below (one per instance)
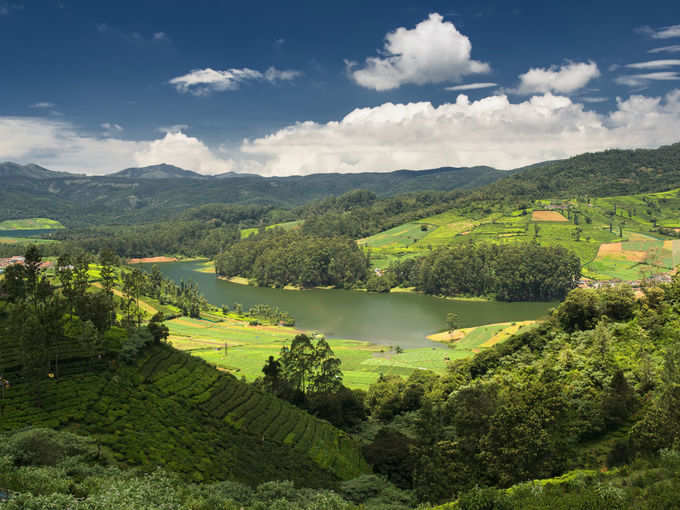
(174, 410)
(582, 226)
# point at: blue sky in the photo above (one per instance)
(333, 86)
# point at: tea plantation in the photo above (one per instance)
(174, 410)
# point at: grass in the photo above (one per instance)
(288, 225)
(30, 224)
(25, 240)
(466, 342)
(588, 225)
(248, 347)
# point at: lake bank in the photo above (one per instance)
(391, 319)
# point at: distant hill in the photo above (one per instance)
(135, 195)
(607, 173)
(162, 171)
(30, 171)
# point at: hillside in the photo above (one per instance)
(174, 410)
(161, 171)
(10, 170)
(149, 194)
(608, 173)
(618, 237)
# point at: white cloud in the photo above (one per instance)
(160, 36)
(58, 146)
(42, 105)
(201, 82)
(183, 151)
(662, 33)
(564, 80)
(491, 131)
(472, 86)
(655, 64)
(675, 48)
(111, 128)
(642, 80)
(432, 52)
(594, 99)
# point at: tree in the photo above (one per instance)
(452, 321)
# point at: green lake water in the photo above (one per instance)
(392, 319)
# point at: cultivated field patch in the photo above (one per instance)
(547, 216)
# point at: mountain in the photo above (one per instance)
(162, 171)
(135, 195)
(30, 171)
(229, 175)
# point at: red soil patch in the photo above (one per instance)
(547, 216)
(151, 260)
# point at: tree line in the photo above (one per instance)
(511, 272)
(278, 258)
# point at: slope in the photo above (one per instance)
(176, 411)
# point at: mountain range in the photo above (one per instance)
(161, 191)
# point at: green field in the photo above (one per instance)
(248, 347)
(289, 225)
(467, 342)
(25, 240)
(30, 224)
(589, 224)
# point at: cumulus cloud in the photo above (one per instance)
(432, 52)
(655, 64)
(472, 86)
(184, 151)
(674, 48)
(563, 80)
(201, 82)
(491, 131)
(59, 146)
(160, 36)
(642, 80)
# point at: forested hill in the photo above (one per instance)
(151, 194)
(608, 173)
(10, 170)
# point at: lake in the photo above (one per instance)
(402, 319)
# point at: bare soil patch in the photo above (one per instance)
(151, 260)
(547, 216)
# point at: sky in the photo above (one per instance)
(294, 88)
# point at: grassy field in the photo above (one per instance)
(583, 226)
(289, 225)
(248, 347)
(466, 342)
(30, 224)
(24, 240)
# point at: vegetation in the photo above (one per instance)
(519, 272)
(278, 258)
(79, 358)
(30, 224)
